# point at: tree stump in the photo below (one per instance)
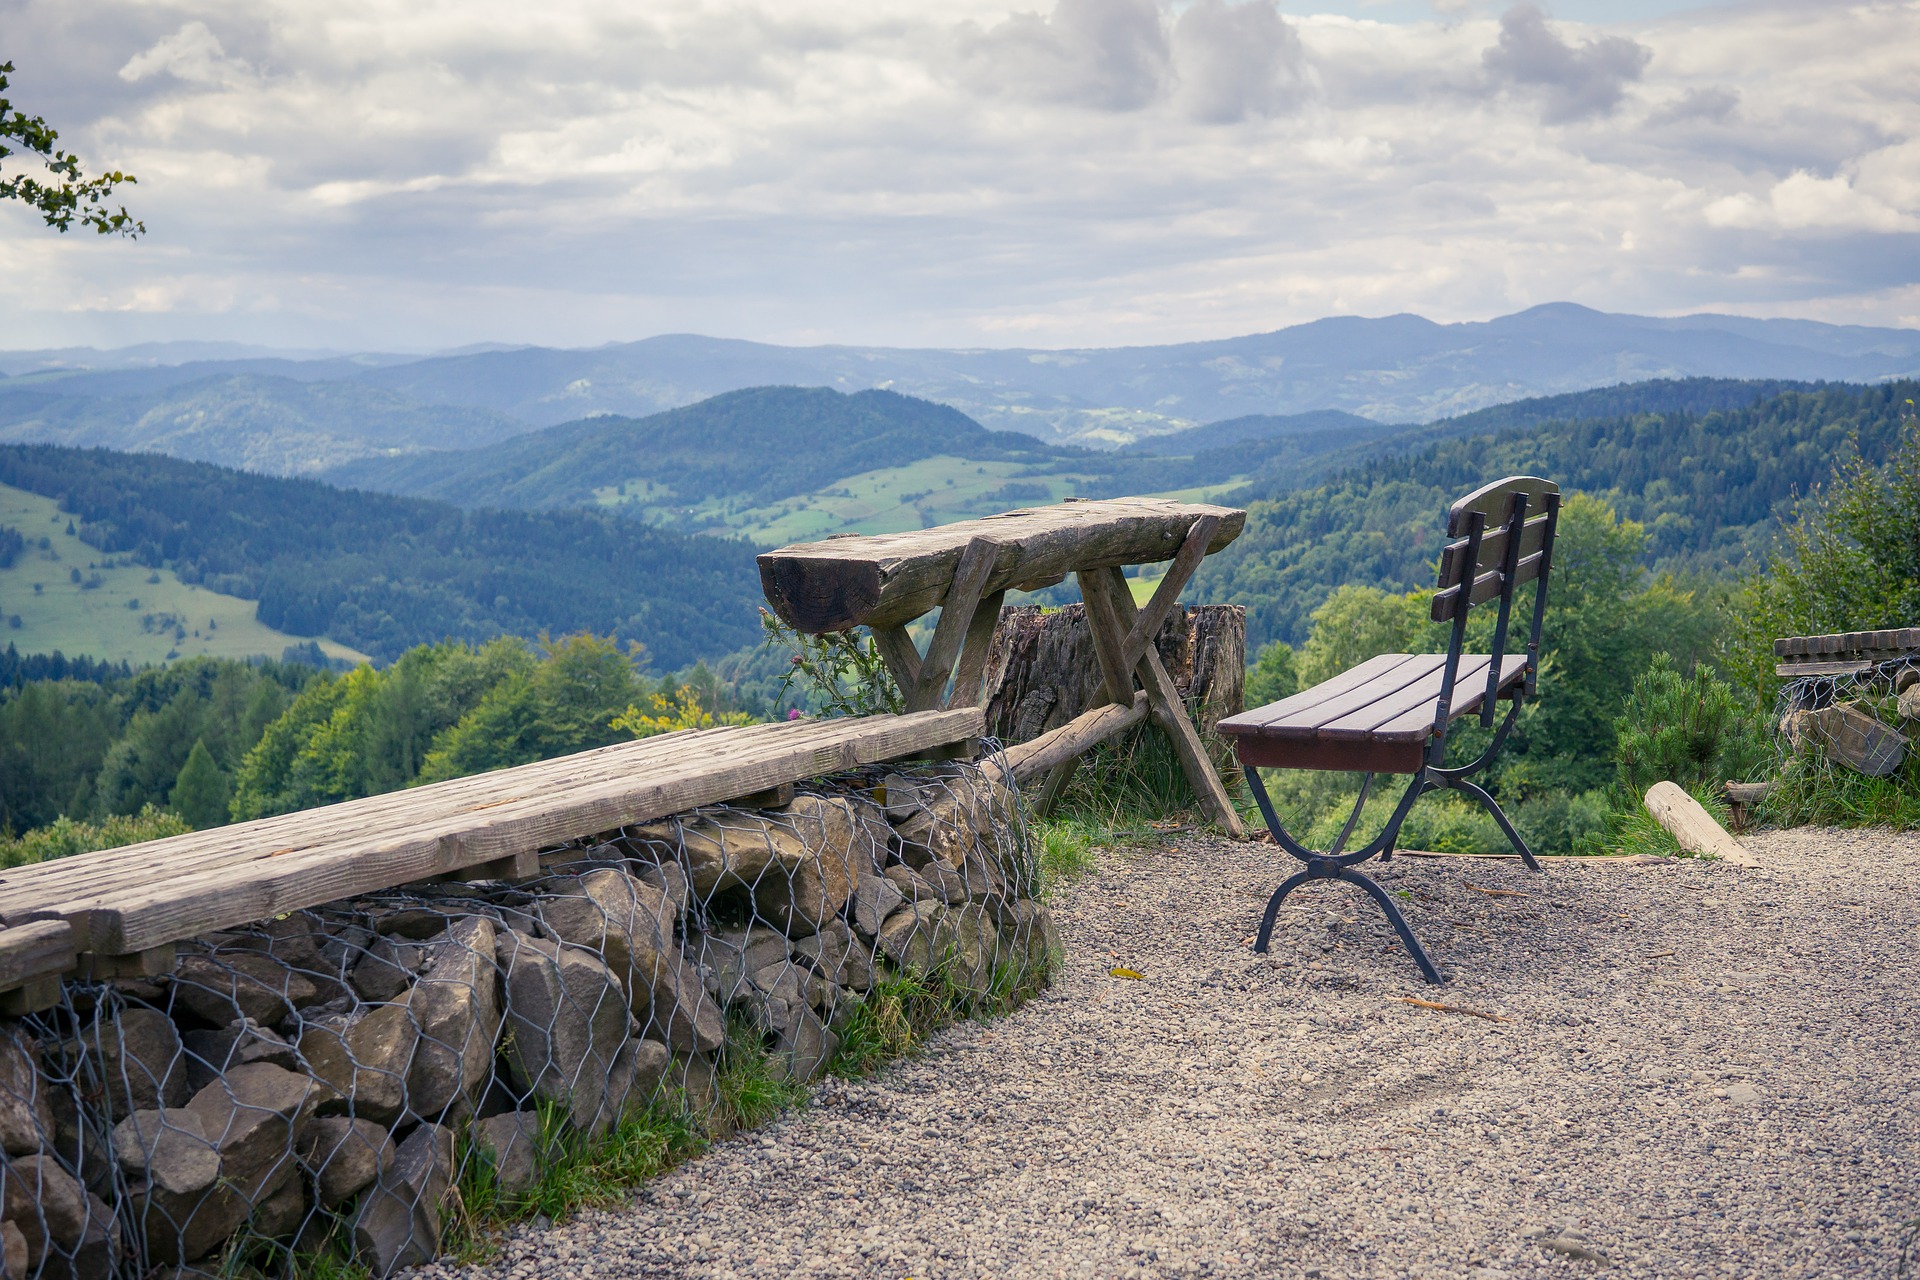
(1043, 671)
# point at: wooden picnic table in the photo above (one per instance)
(885, 581)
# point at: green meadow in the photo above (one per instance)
(78, 599)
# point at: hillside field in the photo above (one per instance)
(114, 612)
(932, 491)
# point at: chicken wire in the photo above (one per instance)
(335, 1083)
(1861, 720)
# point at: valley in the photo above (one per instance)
(71, 598)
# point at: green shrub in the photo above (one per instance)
(1274, 675)
(1849, 561)
(1696, 731)
(66, 837)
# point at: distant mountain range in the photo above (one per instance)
(302, 412)
(786, 464)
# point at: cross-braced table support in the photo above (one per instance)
(886, 581)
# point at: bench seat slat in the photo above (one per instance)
(1407, 714)
(1304, 713)
(1281, 711)
(1393, 702)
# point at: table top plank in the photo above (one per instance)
(884, 580)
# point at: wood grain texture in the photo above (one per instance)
(311, 858)
(1170, 713)
(1842, 642)
(1495, 501)
(1185, 561)
(1043, 671)
(957, 610)
(890, 579)
(1693, 826)
(1392, 697)
(896, 649)
(970, 675)
(23, 890)
(1109, 632)
(42, 949)
(1061, 746)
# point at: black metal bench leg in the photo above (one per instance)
(1287, 886)
(1492, 806)
(1398, 921)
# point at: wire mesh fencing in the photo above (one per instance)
(364, 1085)
(1835, 732)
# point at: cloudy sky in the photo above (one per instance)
(419, 174)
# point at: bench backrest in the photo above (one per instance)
(1500, 537)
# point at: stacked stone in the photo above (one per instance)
(322, 1075)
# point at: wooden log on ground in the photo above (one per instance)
(1044, 673)
(1693, 826)
(889, 579)
(1028, 760)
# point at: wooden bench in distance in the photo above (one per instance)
(114, 907)
(885, 581)
(1843, 652)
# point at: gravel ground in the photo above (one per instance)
(1701, 1071)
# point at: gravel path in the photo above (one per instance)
(1703, 1072)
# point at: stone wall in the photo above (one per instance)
(326, 1081)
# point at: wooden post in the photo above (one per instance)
(1168, 711)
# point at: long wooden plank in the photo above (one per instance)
(1493, 550)
(889, 579)
(146, 916)
(42, 949)
(1417, 699)
(1847, 642)
(28, 889)
(302, 828)
(1486, 586)
(1794, 670)
(521, 784)
(1495, 501)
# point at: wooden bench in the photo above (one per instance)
(119, 912)
(885, 581)
(1390, 714)
(1845, 653)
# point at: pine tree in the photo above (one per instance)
(200, 792)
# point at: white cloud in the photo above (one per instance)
(1575, 81)
(1109, 54)
(1802, 200)
(432, 172)
(193, 54)
(1237, 60)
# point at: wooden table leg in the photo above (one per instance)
(1116, 614)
